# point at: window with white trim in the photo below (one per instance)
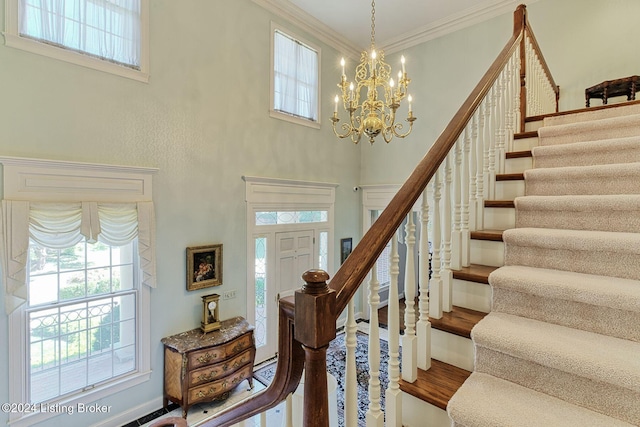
(295, 81)
(77, 278)
(109, 35)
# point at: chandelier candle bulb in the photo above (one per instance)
(409, 98)
(372, 99)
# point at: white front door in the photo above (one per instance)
(294, 255)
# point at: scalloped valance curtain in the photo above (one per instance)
(61, 225)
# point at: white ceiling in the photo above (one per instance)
(398, 23)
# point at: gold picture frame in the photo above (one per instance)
(204, 267)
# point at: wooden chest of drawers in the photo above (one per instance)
(202, 367)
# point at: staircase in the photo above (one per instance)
(561, 345)
(531, 316)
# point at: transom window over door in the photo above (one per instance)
(295, 80)
(108, 35)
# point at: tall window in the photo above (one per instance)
(82, 317)
(77, 278)
(295, 82)
(113, 32)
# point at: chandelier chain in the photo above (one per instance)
(373, 23)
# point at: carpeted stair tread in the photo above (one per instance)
(607, 128)
(577, 240)
(487, 401)
(617, 110)
(608, 151)
(614, 212)
(599, 358)
(576, 180)
(600, 304)
(590, 289)
(593, 252)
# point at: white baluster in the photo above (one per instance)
(374, 415)
(492, 143)
(500, 126)
(351, 378)
(470, 163)
(423, 327)
(445, 273)
(435, 284)
(393, 395)
(516, 92)
(409, 339)
(289, 411)
(467, 178)
(459, 181)
(263, 419)
(488, 142)
(480, 170)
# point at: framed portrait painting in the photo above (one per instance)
(204, 267)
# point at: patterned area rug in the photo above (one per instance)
(336, 356)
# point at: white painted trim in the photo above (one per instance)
(52, 180)
(282, 115)
(131, 414)
(484, 11)
(13, 39)
(269, 194)
(292, 13)
(284, 192)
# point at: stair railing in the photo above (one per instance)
(471, 148)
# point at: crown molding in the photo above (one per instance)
(293, 14)
(466, 18)
(486, 10)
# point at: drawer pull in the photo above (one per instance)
(207, 357)
(211, 391)
(207, 377)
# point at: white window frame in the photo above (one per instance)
(273, 194)
(50, 181)
(282, 115)
(13, 39)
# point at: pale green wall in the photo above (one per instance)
(203, 121)
(584, 41)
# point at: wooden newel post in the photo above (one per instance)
(315, 327)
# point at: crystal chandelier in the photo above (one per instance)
(377, 112)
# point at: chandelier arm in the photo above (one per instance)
(399, 126)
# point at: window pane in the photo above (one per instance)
(291, 217)
(105, 29)
(261, 291)
(43, 289)
(74, 345)
(324, 251)
(295, 77)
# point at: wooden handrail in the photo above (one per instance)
(334, 298)
(287, 377)
(352, 273)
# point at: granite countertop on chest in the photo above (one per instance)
(195, 338)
